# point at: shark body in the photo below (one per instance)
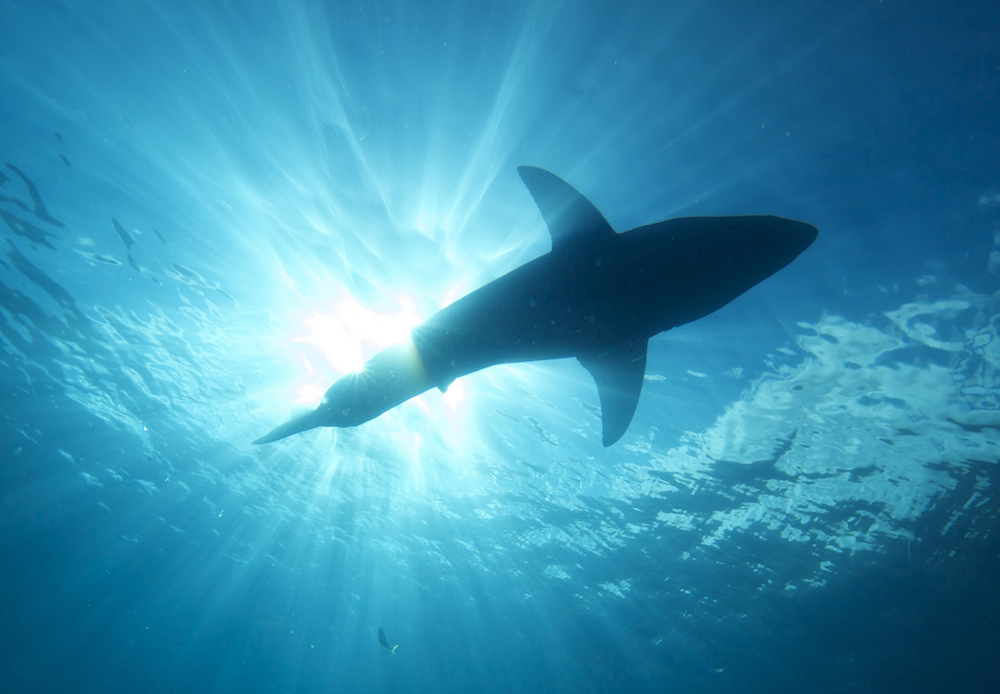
(597, 296)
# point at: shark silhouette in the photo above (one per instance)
(597, 296)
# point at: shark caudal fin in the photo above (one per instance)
(619, 373)
(310, 420)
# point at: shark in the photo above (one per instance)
(597, 296)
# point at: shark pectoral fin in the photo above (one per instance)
(572, 219)
(618, 373)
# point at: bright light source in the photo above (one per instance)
(341, 338)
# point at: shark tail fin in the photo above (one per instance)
(295, 425)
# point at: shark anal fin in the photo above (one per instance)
(572, 219)
(619, 373)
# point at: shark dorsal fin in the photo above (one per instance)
(619, 373)
(572, 219)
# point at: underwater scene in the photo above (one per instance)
(499, 346)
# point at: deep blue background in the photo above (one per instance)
(210, 210)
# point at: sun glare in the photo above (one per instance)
(339, 339)
(328, 342)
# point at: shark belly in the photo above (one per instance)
(523, 316)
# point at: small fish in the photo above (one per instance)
(125, 236)
(384, 643)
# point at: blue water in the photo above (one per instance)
(211, 210)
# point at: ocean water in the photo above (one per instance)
(212, 209)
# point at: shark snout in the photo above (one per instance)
(799, 235)
(787, 238)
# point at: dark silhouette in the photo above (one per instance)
(597, 296)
